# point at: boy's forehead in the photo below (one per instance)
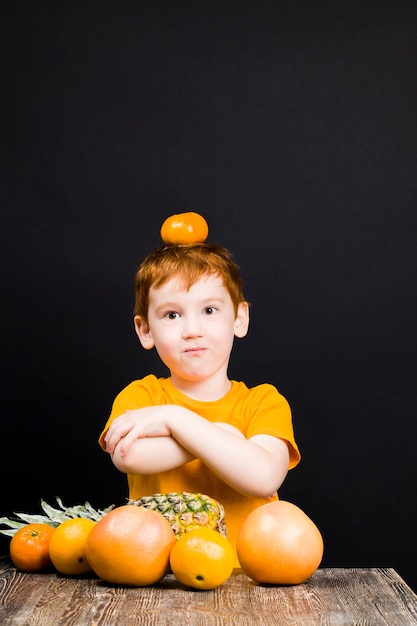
(178, 283)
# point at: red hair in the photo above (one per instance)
(187, 263)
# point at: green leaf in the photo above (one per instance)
(14, 526)
(53, 516)
(9, 533)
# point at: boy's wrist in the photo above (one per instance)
(180, 422)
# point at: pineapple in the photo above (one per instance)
(52, 516)
(185, 511)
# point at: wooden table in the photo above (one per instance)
(332, 596)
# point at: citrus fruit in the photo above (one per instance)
(131, 546)
(202, 559)
(67, 546)
(184, 228)
(29, 547)
(279, 544)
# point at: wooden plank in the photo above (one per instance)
(332, 597)
(368, 597)
(19, 593)
(392, 600)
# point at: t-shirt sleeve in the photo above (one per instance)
(271, 415)
(138, 394)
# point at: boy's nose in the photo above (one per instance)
(192, 326)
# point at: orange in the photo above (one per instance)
(29, 547)
(279, 544)
(67, 546)
(202, 558)
(131, 546)
(184, 228)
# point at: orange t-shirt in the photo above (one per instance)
(259, 410)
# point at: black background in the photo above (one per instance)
(291, 126)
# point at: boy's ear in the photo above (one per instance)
(242, 320)
(143, 332)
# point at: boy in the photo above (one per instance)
(197, 430)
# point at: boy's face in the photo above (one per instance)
(193, 331)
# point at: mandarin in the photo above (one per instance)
(67, 546)
(279, 544)
(184, 228)
(202, 558)
(131, 546)
(29, 547)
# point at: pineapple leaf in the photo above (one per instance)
(9, 532)
(78, 510)
(53, 516)
(33, 519)
(61, 504)
(14, 526)
(10, 522)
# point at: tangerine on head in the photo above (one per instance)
(184, 228)
(29, 547)
(131, 546)
(279, 544)
(202, 558)
(67, 546)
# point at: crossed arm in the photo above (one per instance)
(159, 438)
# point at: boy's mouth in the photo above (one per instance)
(194, 350)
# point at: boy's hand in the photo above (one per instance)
(132, 425)
(149, 421)
(158, 438)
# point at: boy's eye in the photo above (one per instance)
(172, 315)
(209, 310)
